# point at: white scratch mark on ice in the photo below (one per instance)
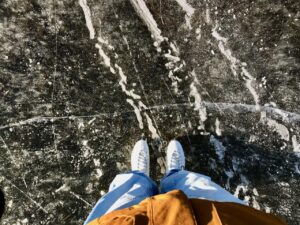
(141, 105)
(87, 15)
(151, 127)
(235, 64)
(80, 198)
(189, 10)
(175, 49)
(9, 151)
(172, 58)
(91, 121)
(288, 117)
(137, 113)
(207, 15)
(218, 129)
(145, 14)
(218, 146)
(198, 104)
(63, 188)
(105, 42)
(277, 127)
(26, 195)
(123, 82)
(105, 58)
(296, 145)
(249, 85)
(37, 119)
(218, 37)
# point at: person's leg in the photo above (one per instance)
(129, 188)
(194, 185)
(126, 190)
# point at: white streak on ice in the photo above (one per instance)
(218, 130)
(235, 63)
(199, 106)
(10, 153)
(105, 58)
(175, 49)
(249, 82)
(151, 127)
(296, 145)
(123, 83)
(63, 188)
(27, 196)
(189, 10)
(288, 117)
(91, 121)
(137, 113)
(105, 42)
(80, 198)
(217, 36)
(172, 57)
(207, 15)
(87, 15)
(145, 14)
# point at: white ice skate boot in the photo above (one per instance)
(140, 159)
(175, 156)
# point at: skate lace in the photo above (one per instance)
(141, 160)
(175, 159)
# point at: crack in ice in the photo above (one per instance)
(288, 117)
(87, 15)
(235, 64)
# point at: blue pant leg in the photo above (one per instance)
(125, 190)
(196, 185)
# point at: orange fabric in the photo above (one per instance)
(174, 208)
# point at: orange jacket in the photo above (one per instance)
(174, 208)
